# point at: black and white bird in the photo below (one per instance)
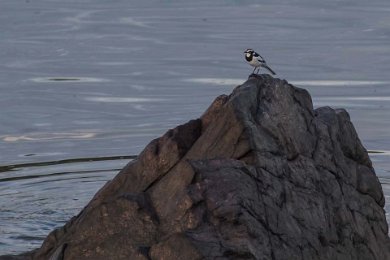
(254, 59)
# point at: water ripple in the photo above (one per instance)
(10, 167)
(123, 99)
(61, 79)
(48, 136)
(320, 83)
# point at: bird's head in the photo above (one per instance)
(249, 52)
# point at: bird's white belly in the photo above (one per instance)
(255, 63)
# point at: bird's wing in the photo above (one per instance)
(258, 57)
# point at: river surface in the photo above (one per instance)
(85, 85)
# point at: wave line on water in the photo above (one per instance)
(373, 98)
(378, 152)
(335, 83)
(11, 167)
(48, 136)
(320, 83)
(56, 174)
(123, 99)
(68, 79)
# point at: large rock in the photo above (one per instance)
(261, 175)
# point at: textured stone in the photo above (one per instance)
(261, 175)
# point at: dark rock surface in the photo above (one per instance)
(261, 175)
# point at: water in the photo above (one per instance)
(86, 82)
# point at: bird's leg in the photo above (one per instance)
(258, 70)
(253, 72)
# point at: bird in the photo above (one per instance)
(254, 59)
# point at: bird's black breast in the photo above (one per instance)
(248, 58)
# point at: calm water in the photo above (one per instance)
(86, 82)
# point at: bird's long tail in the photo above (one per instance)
(269, 69)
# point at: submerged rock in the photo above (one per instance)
(261, 175)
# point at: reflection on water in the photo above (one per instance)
(47, 136)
